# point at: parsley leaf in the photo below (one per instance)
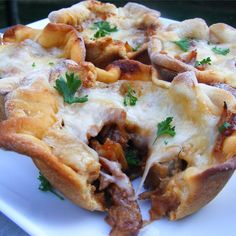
(224, 126)
(165, 128)
(184, 44)
(69, 87)
(33, 64)
(135, 49)
(205, 61)
(45, 186)
(131, 156)
(51, 63)
(220, 51)
(130, 98)
(103, 28)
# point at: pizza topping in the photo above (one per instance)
(33, 64)
(183, 44)
(202, 64)
(220, 51)
(45, 186)
(224, 126)
(69, 87)
(130, 98)
(135, 49)
(165, 128)
(103, 28)
(131, 156)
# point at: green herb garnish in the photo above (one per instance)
(135, 49)
(205, 61)
(45, 186)
(165, 128)
(220, 51)
(184, 44)
(131, 156)
(130, 98)
(33, 64)
(103, 28)
(67, 88)
(224, 126)
(50, 63)
(165, 142)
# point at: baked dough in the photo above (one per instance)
(134, 24)
(204, 42)
(56, 135)
(60, 36)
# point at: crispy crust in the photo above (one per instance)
(104, 50)
(62, 177)
(53, 35)
(193, 28)
(125, 70)
(199, 189)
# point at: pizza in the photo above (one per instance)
(110, 33)
(91, 130)
(191, 45)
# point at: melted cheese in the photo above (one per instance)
(24, 58)
(191, 105)
(195, 136)
(224, 65)
(132, 35)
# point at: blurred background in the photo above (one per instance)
(27, 11)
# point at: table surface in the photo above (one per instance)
(8, 228)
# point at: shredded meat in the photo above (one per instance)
(114, 132)
(229, 117)
(111, 150)
(162, 202)
(124, 214)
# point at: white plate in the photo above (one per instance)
(40, 213)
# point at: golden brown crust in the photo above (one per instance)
(64, 178)
(199, 189)
(19, 33)
(53, 35)
(125, 70)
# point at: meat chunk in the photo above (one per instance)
(124, 214)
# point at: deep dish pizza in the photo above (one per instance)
(110, 33)
(91, 131)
